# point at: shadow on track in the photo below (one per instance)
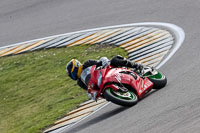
(102, 117)
(97, 119)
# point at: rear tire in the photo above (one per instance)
(117, 97)
(158, 82)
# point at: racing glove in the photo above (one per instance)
(105, 61)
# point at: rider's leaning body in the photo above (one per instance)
(79, 72)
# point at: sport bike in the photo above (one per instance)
(123, 86)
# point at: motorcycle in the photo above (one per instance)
(123, 86)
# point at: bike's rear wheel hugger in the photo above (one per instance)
(125, 99)
(159, 80)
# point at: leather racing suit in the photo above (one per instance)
(116, 61)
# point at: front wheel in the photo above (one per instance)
(159, 80)
(121, 98)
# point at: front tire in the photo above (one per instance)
(159, 80)
(125, 99)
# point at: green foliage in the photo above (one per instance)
(34, 88)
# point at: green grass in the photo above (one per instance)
(35, 90)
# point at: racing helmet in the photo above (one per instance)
(74, 69)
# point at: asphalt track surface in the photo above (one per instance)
(175, 108)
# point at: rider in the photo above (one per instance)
(76, 70)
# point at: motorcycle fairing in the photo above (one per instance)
(102, 77)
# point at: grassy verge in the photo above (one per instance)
(34, 88)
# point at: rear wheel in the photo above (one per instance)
(159, 80)
(121, 98)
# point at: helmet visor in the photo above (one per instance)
(73, 74)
